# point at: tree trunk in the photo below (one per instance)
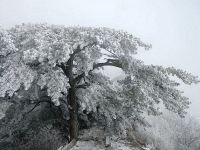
(73, 110)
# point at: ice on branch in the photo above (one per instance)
(59, 58)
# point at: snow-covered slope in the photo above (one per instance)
(95, 139)
(94, 145)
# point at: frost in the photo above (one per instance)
(58, 58)
(14, 77)
(6, 43)
(30, 55)
(56, 82)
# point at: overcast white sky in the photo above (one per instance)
(171, 26)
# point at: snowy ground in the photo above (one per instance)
(94, 139)
(93, 145)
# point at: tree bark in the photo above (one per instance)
(72, 101)
(73, 110)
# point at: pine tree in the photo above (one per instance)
(68, 61)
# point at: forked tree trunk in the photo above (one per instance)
(73, 122)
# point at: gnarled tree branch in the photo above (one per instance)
(109, 62)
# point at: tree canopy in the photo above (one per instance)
(60, 58)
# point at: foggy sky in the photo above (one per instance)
(171, 26)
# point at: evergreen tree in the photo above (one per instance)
(67, 61)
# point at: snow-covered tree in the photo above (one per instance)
(169, 131)
(68, 61)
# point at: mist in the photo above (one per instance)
(172, 27)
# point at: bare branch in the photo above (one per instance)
(78, 78)
(83, 86)
(109, 62)
(36, 105)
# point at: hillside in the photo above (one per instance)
(95, 139)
